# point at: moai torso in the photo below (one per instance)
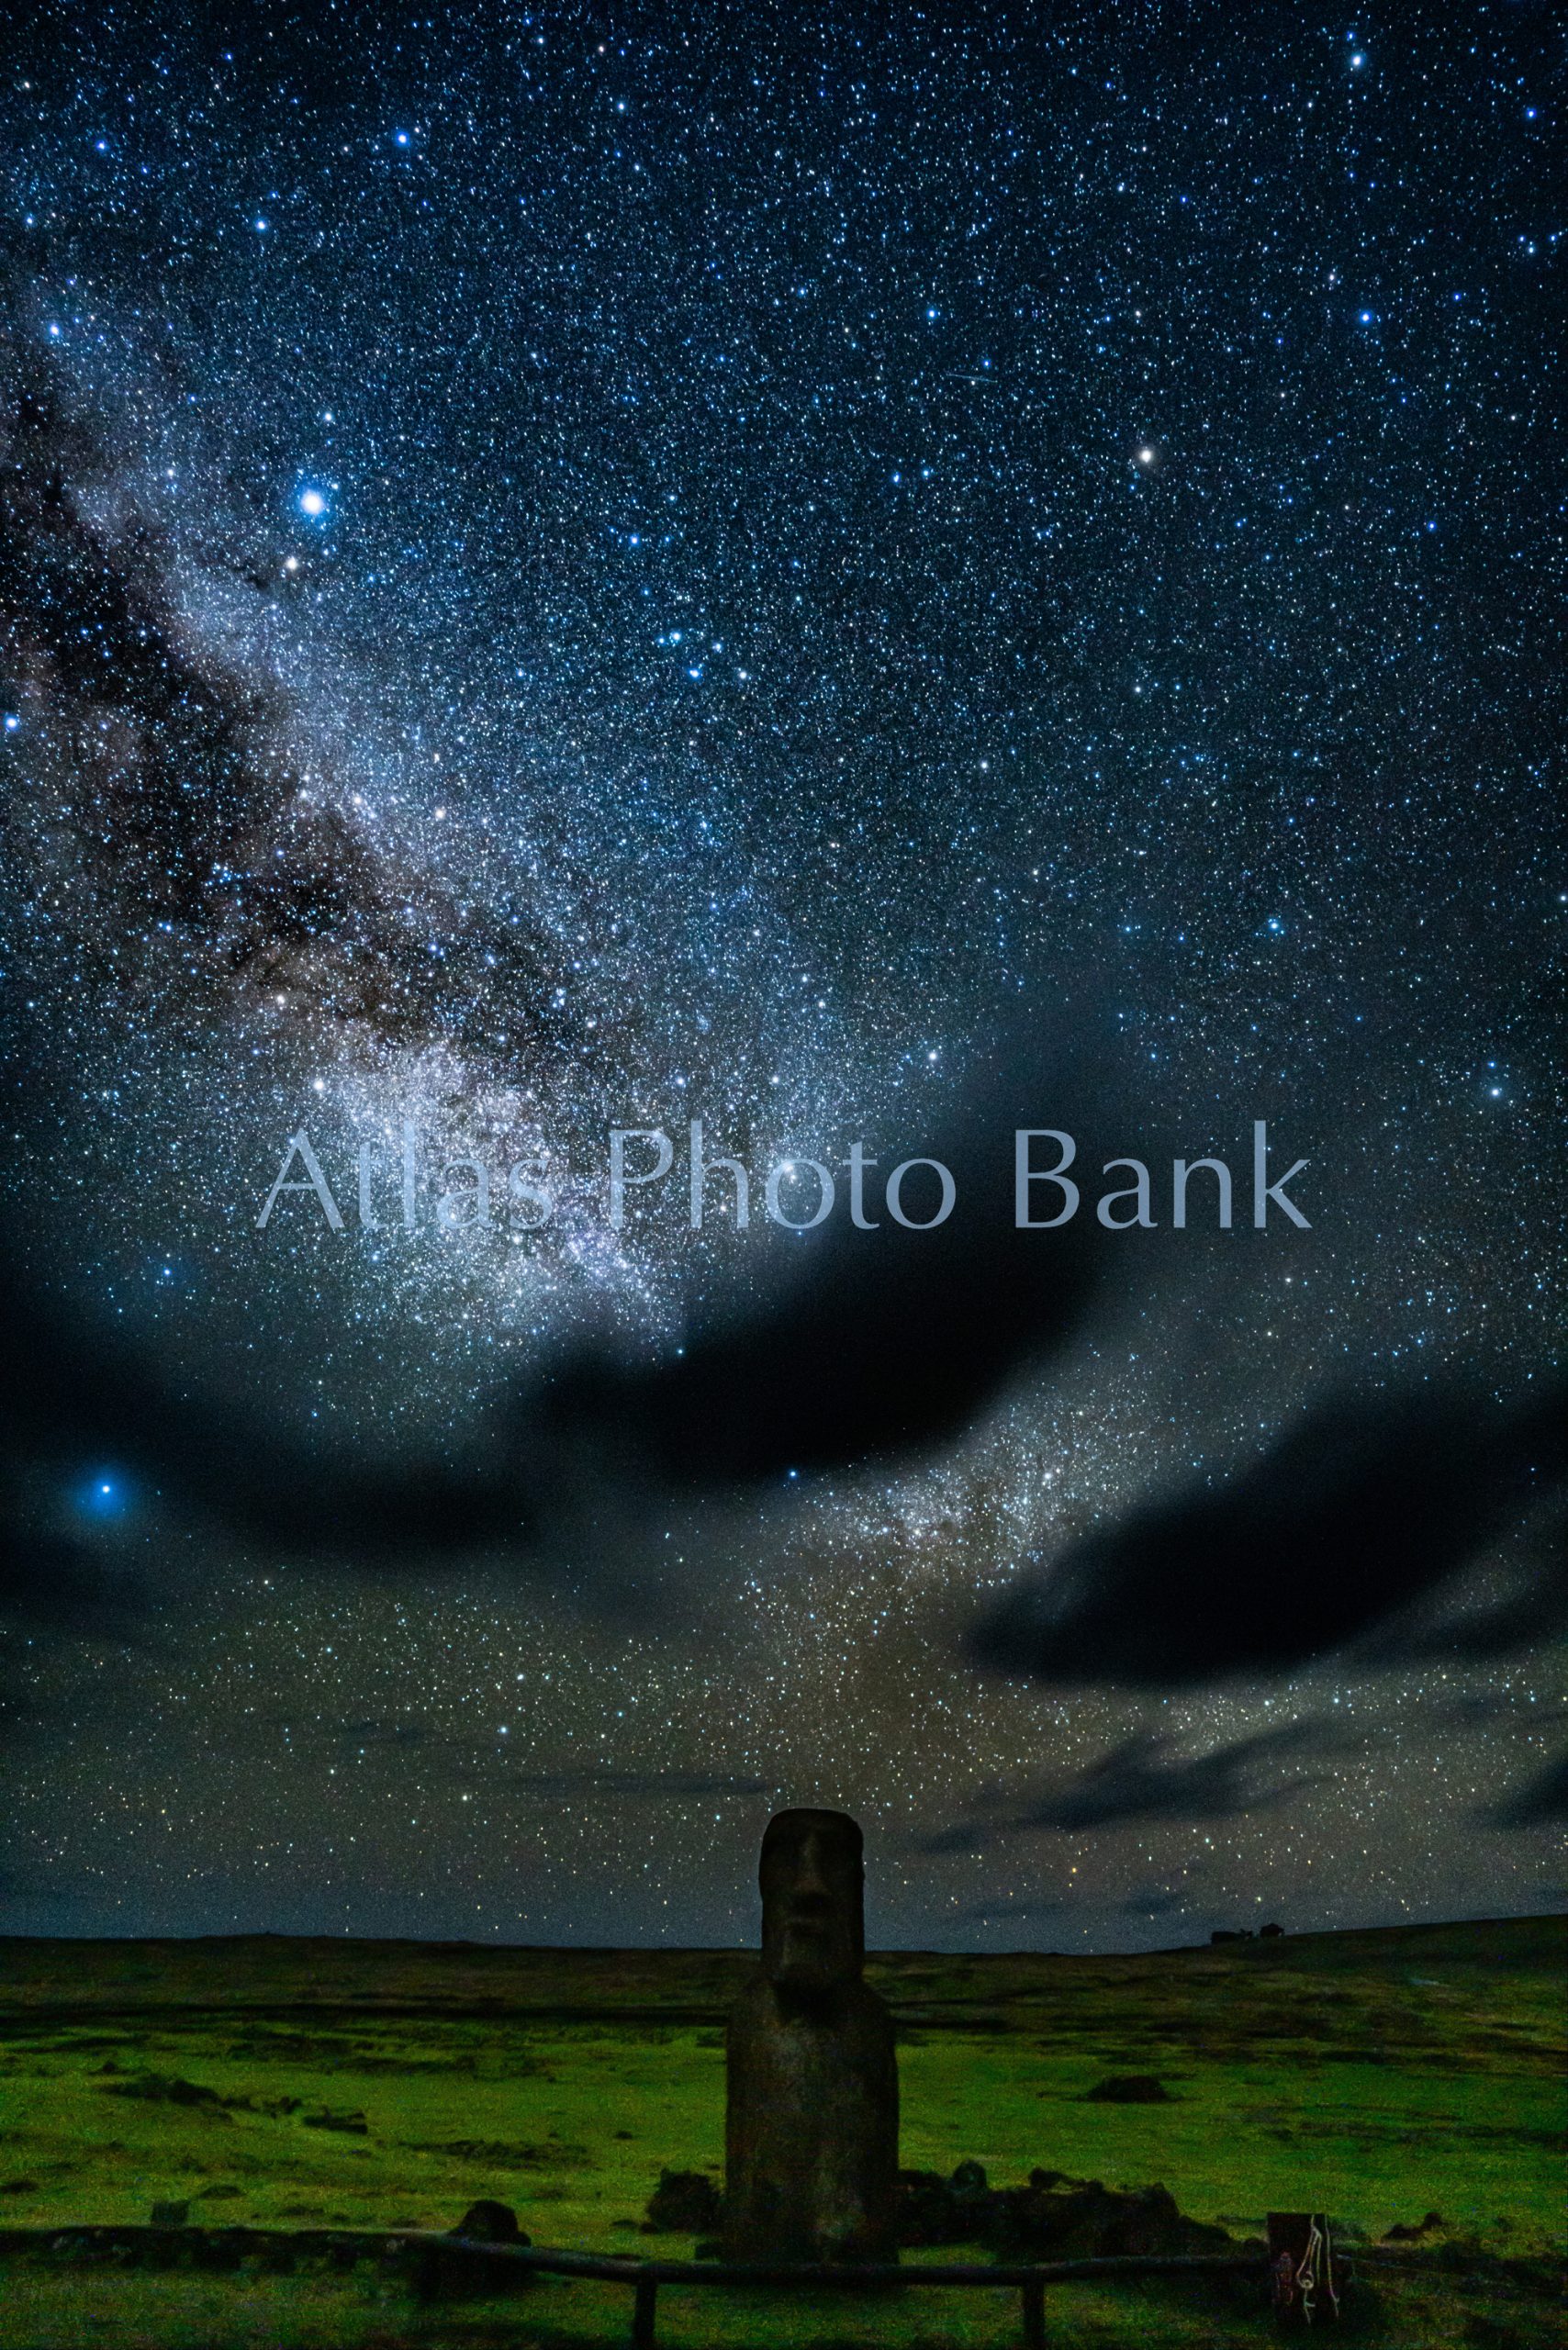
(811, 2122)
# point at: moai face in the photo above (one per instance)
(812, 1878)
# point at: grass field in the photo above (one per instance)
(1375, 2076)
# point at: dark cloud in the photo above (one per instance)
(1362, 1513)
(888, 1342)
(72, 1393)
(883, 1343)
(1539, 1802)
(1144, 1778)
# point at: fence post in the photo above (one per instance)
(642, 2313)
(1034, 2295)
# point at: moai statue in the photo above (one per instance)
(812, 2119)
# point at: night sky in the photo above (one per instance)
(570, 569)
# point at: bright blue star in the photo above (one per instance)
(102, 1497)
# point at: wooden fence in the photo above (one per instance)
(643, 2278)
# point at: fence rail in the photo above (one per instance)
(1029, 2279)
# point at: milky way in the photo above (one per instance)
(848, 582)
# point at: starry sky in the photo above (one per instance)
(854, 581)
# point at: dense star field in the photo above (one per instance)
(854, 584)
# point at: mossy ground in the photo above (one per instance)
(1374, 2076)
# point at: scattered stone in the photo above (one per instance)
(169, 2215)
(1055, 2217)
(18, 2186)
(165, 2088)
(351, 2125)
(489, 2222)
(925, 2208)
(438, 2275)
(1129, 2088)
(684, 2204)
(1081, 2220)
(1411, 2232)
(509, 2154)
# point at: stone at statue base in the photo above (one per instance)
(811, 2115)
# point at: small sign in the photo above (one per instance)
(1301, 2261)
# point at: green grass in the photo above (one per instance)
(1376, 2076)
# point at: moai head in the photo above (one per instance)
(812, 1878)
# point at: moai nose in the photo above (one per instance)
(810, 1883)
(810, 1907)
